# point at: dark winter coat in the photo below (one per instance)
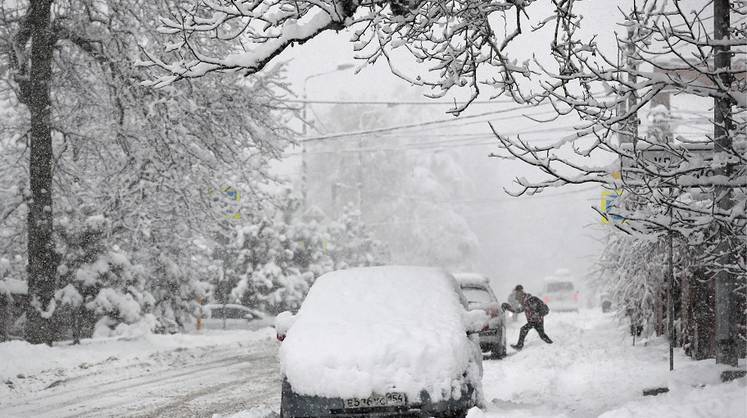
(532, 306)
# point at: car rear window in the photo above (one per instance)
(559, 286)
(476, 295)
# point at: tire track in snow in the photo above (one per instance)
(148, 390)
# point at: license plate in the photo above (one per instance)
(390, 399)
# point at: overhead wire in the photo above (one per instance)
(456, 143)
(410, 125)
(395, 102)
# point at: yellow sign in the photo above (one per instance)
(232, 202)
(609, 197)
(228, 201)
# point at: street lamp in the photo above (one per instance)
(304, 168)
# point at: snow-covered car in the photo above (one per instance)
(480, 295)
(383, 341)
(234, 316)
(560, 295)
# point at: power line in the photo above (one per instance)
(456, 143)
(396, 103)
(411, 102)
(410, 125)
(484, 139)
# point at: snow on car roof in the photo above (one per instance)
(378, 330)
(471, 279)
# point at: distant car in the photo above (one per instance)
(480, 295)
(235, 316)
(561, 295)
(605, 301)
(381, 341)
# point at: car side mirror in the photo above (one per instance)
(283, 322)
(476, 320)
(248, 317)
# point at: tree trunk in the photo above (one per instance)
(702, 295)
(727, 348)
(42, 260)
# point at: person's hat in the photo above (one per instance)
(519, 288)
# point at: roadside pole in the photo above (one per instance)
(726, 339)
(670, 262)
(631, 64)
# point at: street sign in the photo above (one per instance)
(228, 201)
(693, 160)
(231, 202)
(610, 199)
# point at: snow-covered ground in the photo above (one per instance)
(592, 370)
(147, 376)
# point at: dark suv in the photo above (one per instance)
(479, 295)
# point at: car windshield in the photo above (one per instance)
(559, 287)
(476, 296)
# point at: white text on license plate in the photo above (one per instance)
(390, 399)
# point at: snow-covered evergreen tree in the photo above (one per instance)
(97, 280)
(279, 255)
(351, 244)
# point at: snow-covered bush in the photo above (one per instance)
(275, 264)
(177, 291)
(96, 277)
(276, 258)
(632, 272)
(351, 243)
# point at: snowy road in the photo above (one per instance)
(175, 383)
(592, 370)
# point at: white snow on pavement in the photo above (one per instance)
(593, 369)
(23, 362)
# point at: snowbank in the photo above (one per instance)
(593, 370)
(378, 330)
(22, 358)
(695, 390)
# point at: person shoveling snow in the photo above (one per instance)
(535, 310)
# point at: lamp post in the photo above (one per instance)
(304, 129)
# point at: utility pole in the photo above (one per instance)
(304, 132)
(631, 66)
(726, 332)
(670, 298)
(359, 183)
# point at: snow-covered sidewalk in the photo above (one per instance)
(593, 370)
